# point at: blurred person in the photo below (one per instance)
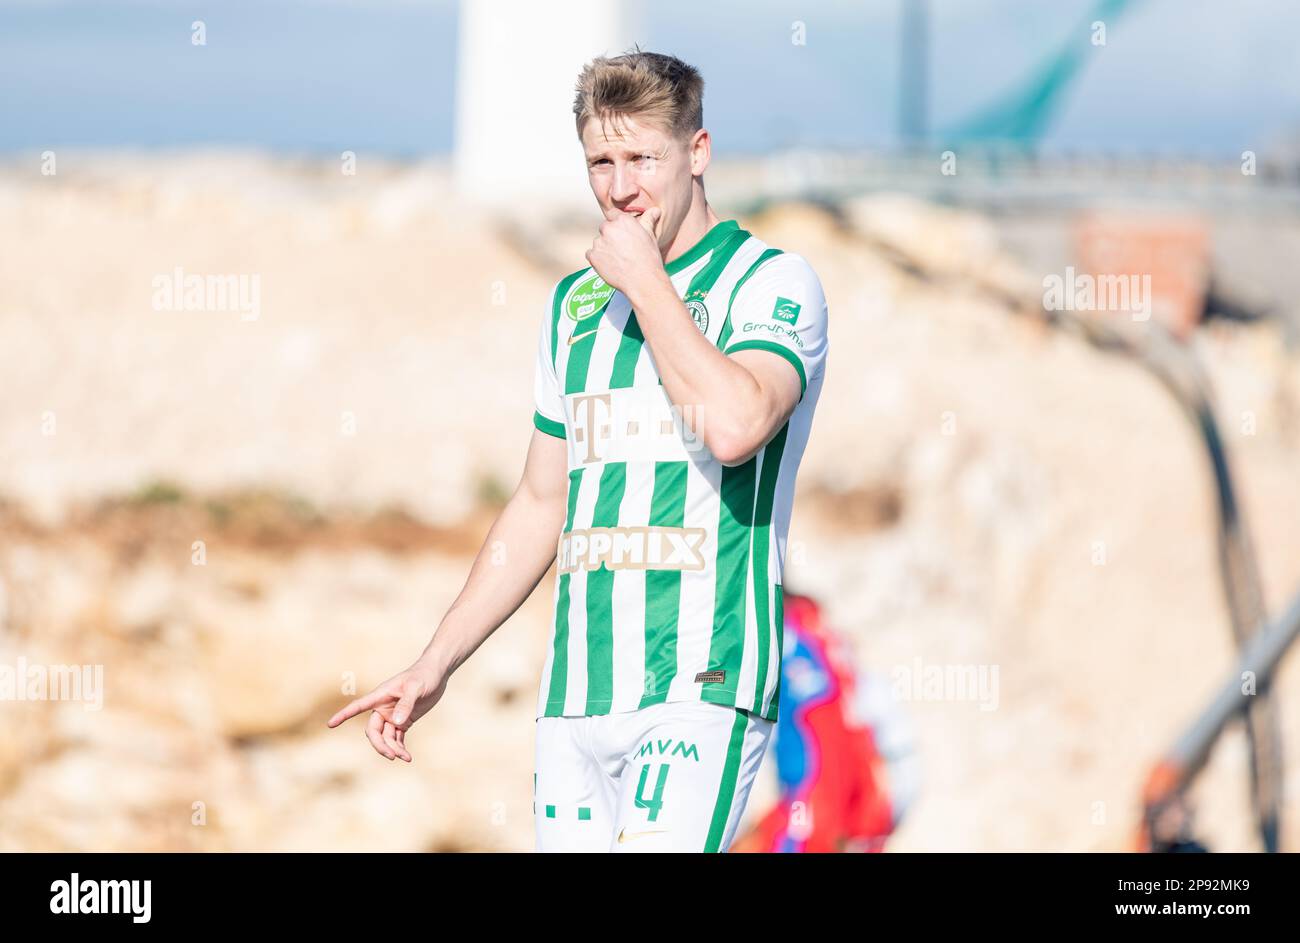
(1172, 830)
(845, 760)
(675, 384)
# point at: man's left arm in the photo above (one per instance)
(747, 390)
(736, 399)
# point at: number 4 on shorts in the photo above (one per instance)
(656, 803)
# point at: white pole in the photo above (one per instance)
(516, 147)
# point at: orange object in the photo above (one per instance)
(1162, 262)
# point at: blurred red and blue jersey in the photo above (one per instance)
(833, 780)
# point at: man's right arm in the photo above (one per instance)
(518, 551)
(516, 554)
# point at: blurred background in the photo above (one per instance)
(270, 278)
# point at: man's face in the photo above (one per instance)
(634, 166)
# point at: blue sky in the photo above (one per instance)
(1204, 77)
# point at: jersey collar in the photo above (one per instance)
(712, 239)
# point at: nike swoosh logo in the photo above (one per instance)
(625, 836)
(582, 337)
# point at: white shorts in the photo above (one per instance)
(669, 777)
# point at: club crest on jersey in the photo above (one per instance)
(699, 314)
(588, 297)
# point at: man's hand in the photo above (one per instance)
(626, 250)
(395, 705)
(530, 526)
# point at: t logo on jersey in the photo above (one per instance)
(588, 426)
(786, 310)
(631, 424)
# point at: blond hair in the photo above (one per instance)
(659, 89)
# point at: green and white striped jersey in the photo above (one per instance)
(669, 564)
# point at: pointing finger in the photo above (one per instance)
(357, 706)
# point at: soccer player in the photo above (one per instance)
(676, 378)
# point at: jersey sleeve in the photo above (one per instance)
(548, 403)
(781, 308)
